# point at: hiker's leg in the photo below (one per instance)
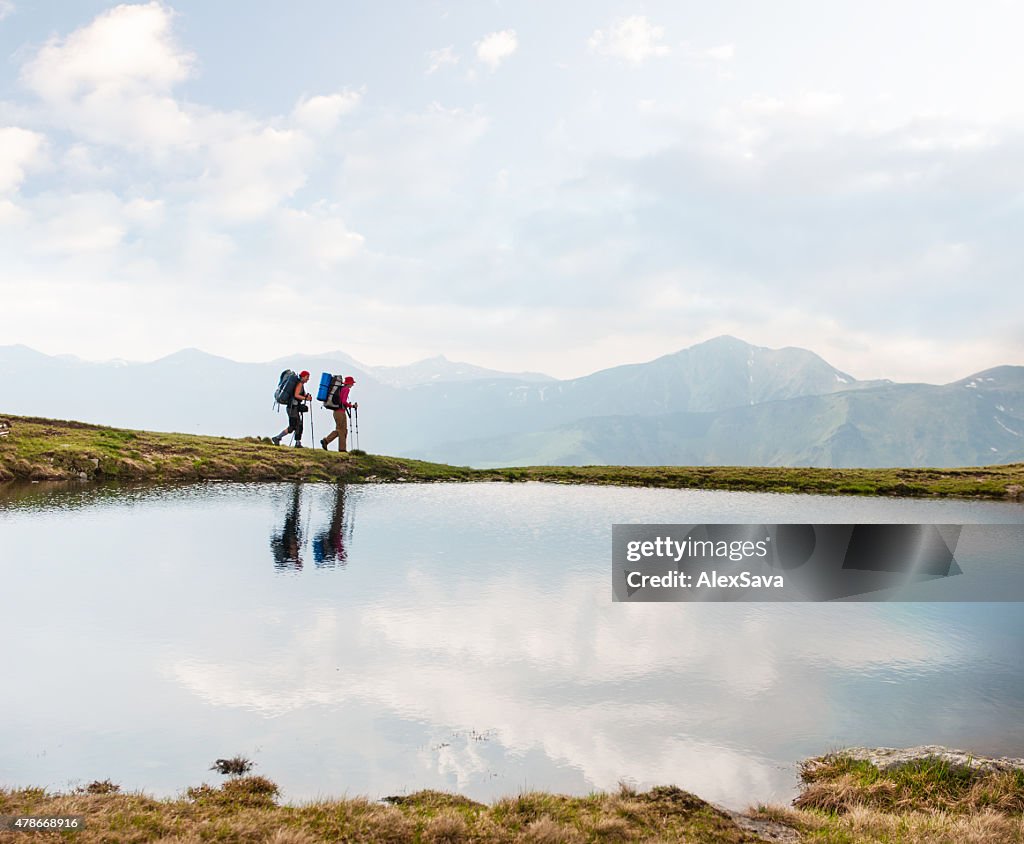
(331, 437)
(295, 423)
(341, 428)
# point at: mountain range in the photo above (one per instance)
(720, 402)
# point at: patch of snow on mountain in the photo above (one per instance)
(1001, 425)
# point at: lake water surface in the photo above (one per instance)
(380, 639)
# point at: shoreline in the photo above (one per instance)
(38, 449)
(920, 794)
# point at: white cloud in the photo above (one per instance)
(110, 80)
(493, 49)
(83, 224)
(20, 149)
(321, 114)
(634, 39)
(318, 236)
(81, 162)
(723, 53)
(145, 212)
(441, 58)
(7, 7)
(410, 157)
(127, 48)
(251, 173)
(10, 214)
(79, 225)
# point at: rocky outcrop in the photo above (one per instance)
(889, 758)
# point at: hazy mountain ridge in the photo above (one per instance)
(714, 375)
(719, 402)
(439, 369)
(888, 425)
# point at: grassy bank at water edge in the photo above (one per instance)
(927, 800)
(50, 449)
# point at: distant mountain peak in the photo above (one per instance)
(191, 355)
(439, 369)
(725, 340)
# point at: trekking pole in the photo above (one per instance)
(312, 431)
(357, 426)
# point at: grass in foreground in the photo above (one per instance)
(844, 801)
(47, 449)
(245, 810)
(927, 800)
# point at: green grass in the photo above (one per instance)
(246, 809)
(925, 801)
(837, 783)
(47, 449)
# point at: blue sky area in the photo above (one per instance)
(553, 187)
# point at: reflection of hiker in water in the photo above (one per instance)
(329, 545)
(285, 546)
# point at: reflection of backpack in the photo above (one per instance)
(285, 391)
(333, 391)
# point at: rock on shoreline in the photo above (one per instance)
(890, 758)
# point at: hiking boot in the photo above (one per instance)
(276, 440)
(323, 444)
(299, 445)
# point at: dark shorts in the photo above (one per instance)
(295, 420)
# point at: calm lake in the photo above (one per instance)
(380, 639)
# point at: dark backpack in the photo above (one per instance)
(285, 391)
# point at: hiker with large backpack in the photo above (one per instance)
(337, 402)
(291, 393)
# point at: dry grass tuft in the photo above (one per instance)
(430, 799)
(448, 827)
(286, 835)
(548, 831)
(239, 791)
(611, 829)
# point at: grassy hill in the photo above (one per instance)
(38, 449)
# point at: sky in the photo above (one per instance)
(555, 187)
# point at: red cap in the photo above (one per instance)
(304, 373)
(349, 379)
